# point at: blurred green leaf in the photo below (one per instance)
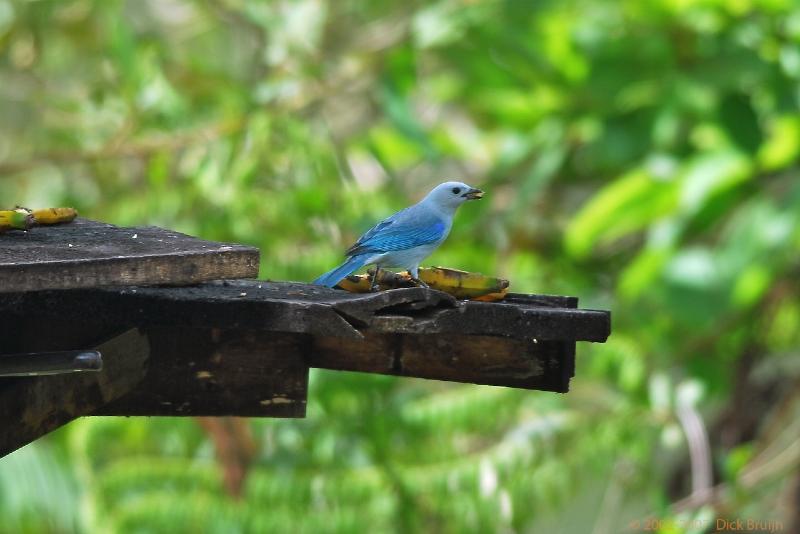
(739, 118)
(782, 146)
(625, 205)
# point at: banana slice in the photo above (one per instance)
(460, 284)
(23, 218)
(54, 215)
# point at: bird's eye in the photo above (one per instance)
(456, 190)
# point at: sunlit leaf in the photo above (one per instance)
(751, 285)
(711, 174)
(625, 205)
(782, 146)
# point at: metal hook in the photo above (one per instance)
(50, 363)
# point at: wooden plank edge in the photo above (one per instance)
(109, 272)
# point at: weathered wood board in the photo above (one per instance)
(214, 372)
(527, 342)
(33, 406)
(87, 253)
(176, 342)
(157, 371)
(319, 311)
(497, 361)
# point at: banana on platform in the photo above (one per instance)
(460, 284)
(463, 284)
(361, 283)
(18, 218)
(22, 218)
(54, 215)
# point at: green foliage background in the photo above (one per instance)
(640, 155)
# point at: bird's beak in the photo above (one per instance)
(473, 194)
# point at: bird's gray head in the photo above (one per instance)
(452, 194)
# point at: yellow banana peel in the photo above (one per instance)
(18, 219)
(361, 283)
(460, 284)
(22, 218)
(54, 215)
(463, 284)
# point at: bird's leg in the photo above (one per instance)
(414, 272)
(373, 286)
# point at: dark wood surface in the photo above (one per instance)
(157, 372)
(527, 342)
(496, 361)
(33, 406)
(214, 372)
(319, 311)
(242, 347)
(87, 253)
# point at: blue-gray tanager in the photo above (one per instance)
(406, 238)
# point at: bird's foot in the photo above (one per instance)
(420, 283)
(374, 287)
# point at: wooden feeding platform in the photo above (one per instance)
(181, 327)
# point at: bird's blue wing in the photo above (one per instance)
(372, 232)
(391, 234)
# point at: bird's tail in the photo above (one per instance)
(333, 277)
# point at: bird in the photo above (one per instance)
(406, 238)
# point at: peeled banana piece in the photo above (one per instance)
(460, 284)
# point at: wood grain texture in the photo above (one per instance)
(87, 253)
(215, 372)
(31, 407)
(496, 361)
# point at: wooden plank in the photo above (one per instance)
(191, 371)
(303, 308)
(244, 347)
(498, 319)
(547, 301)
(31, 407)
(88, 253)
(473, 359)
(163, 372)
(215, 372)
